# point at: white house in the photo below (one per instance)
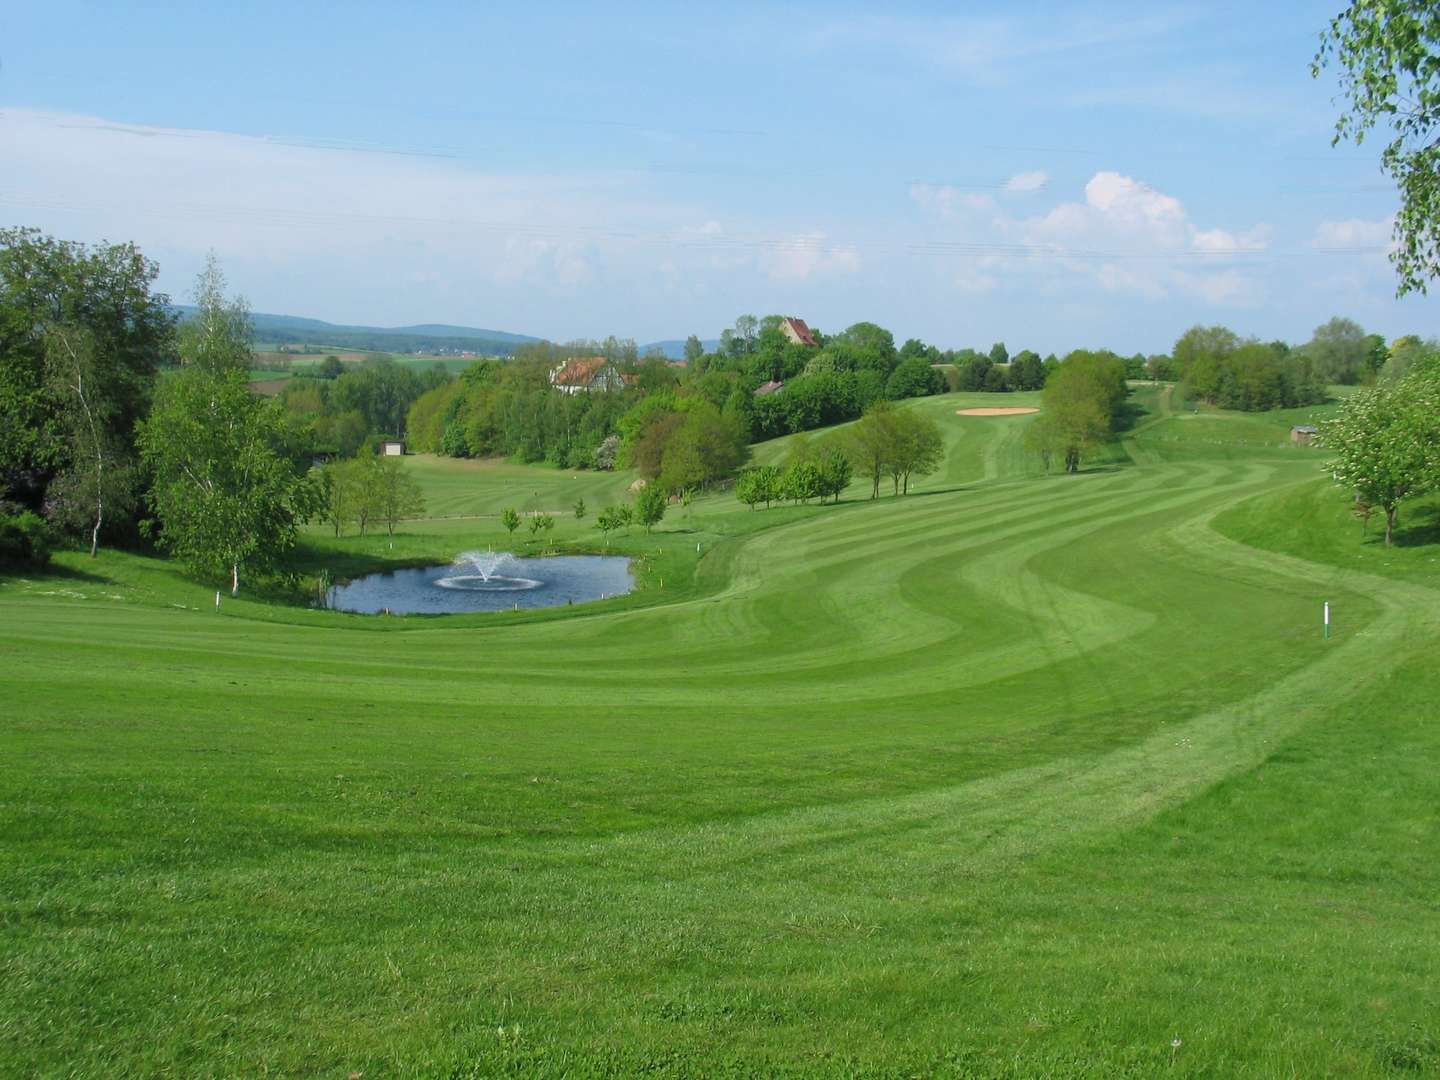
(581, 376)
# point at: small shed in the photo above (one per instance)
(393, 448)
(1303, 434)
(766, 389)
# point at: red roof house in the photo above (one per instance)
(798, 332)
(584, 374)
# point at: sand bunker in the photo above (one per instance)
(994, 412)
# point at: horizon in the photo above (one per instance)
(1067, 179)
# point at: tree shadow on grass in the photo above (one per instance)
(55, 572)
(928, 492)
(1422, 529)
(1128, 415)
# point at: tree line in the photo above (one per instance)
(119, 422)
(885, 443)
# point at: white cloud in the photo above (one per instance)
(1224, 287)
(949, 203)
(796, 258)
(1118, 211)
(1355, 233)
(1026, 182)
(383, 237)
(1224, 242)
(989, 49)
(1128, 279)
(1123, 218)
(980, 276)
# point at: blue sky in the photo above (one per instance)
(1050, 175)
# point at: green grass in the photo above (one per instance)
(1017, 776)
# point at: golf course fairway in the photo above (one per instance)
(1017, 775)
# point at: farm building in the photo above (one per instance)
(583, 375)
(1303, 434)
(798, 333)
(766, 389)
(393, 448)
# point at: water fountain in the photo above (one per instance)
(486, 578)
(485, 581)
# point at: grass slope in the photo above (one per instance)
(1017, 776)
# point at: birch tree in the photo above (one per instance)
(224, 497)
(93, 478)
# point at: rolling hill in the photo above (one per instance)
(271, 329)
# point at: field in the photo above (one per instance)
(272, 370)
(1019, 775)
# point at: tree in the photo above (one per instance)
(650, 506)
(914, 347)
(1198, 353)
(693, 349)
(608, 520)
(834, 470)
(102, 291)
(510, 518)
(1386, 442)
(73, 378)
(801, 481)
(579, 509)
(1081, 400)
(974, 372)
(747, 330)
(999, 354)
(223, 494)
(344, 490)
(870, 345)
(604, 456)
(870, 443)
(381, 391)
(1386, 50)
(1070, 429)
(913, 377)
(541, 523)
(330, 368)
(759, 484)
(1404, 353)
(1027, 372)
(396, 494)
(218, 336)
(917, 448)
(1341, 352)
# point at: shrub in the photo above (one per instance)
(24, 540)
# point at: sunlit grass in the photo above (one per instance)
(1017, 776)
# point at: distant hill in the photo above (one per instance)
(429, 338)
(675, 347)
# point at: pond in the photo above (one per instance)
(486, 581)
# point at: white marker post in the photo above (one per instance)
(1327, 620)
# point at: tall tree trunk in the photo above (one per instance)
(1392, 512)
(99, 517)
